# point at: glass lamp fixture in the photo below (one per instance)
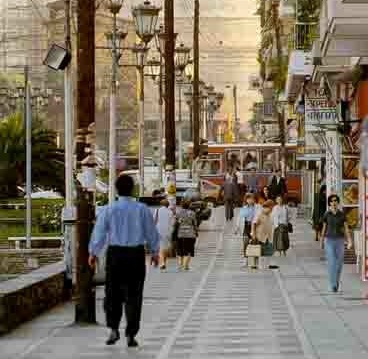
(189, 70)
(145, 20)
(153, 66)
(212, 97)
(181, 57)
(160, 38)
(188, 95)
(120, 36)
(20, 91)
(115, 6)
(219, 99)
(140, 52)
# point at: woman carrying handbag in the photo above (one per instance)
(262, 234)
(282, 226)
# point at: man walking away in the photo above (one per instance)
(125, 226)
(334, 232)
(229, 190)
(252, 181)
(278, 185)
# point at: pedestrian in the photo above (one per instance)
(240, 183)
(164, 219)
(246, 216)
(280, 220)
(187, 232)
(125, 226)
(263, 196)
(262, 232)
(334, 231)
(278, 185)
(230, 197)
(319, 209)
(252, 181)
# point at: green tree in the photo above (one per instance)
(47, 159)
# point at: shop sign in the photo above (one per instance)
(319, 111)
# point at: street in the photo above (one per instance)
(219, 309)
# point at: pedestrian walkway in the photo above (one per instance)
(220, 310)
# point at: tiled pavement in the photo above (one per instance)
(219, 310)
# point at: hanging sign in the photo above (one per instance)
(319, 111)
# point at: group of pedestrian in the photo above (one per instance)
(178, 231)
(266, 223)
(128, 227)
(235, 187)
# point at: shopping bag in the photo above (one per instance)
(253, 250)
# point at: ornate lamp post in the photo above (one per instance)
(181, 61)
(145, 19)
(155, 72)
(188, 95)
(211, 108)
(140, 52)
(114, 39)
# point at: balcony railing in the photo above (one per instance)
(303, 36)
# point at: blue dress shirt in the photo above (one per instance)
(125, 223)
(247, 213)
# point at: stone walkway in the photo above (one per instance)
(220, 310)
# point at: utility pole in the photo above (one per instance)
(196, 105)
(236, 120)
(85, 306)
(276, 26)
(170, 102)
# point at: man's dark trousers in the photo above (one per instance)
(229, 209)
(125, 275)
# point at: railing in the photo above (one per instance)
(303, 36)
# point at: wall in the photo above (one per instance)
(25, 297)
(25, 260)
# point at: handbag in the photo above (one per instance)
(253, 250)
(267, 249)
(289, 225)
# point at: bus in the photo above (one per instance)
(263, 157)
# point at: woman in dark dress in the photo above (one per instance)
(320, 208)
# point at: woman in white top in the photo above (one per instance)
(280, 221)
(164, 219)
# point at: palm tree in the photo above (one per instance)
(47, 159)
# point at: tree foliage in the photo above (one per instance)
(47, 159)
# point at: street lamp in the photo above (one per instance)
(188, 72)
(140, 51)
(145, 20)
(188, 95)
(161, 39)
(155, 72)
(181, 61)
(181, 57)
(114, 39)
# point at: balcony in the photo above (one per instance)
(344, 28)
(300, 66)
(303, 36)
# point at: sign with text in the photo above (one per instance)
(319, 111)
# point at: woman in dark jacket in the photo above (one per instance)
(187, 232)
(320, 208)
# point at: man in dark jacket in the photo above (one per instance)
(230, 191)
(278, 185)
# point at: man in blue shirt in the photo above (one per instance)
(125, 226)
